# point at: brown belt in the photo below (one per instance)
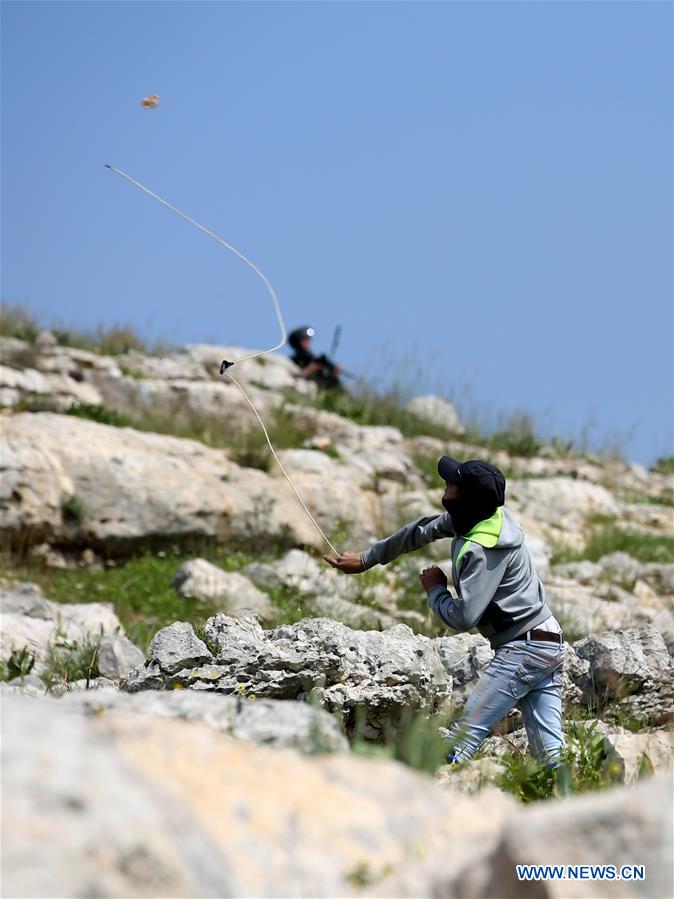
(550, 636)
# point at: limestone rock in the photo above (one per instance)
(29, 685)
(83, 686)
(26, 599)
(471, 777)
(624, 662)
(632, 671)
(92, 824)
(117, 656)
(185, 811)
(621, 567)
(626, 825)
(464, 658)
(136, 487)
(33, 634)
(632, 753)
(562, 503)
(273, 373)
(437, 411)
(582, 611)
(186, 400)
(53, 391)
(648, 518)
(326, 592)
(266, 722)
(204, 581)
(36, 623)
(371, 676)
(177, 646)
(584, 572)
(359, 617)
(576, 675)
(659, 575)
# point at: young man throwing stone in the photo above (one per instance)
(497, 590)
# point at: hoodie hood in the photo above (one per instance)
(500, 530)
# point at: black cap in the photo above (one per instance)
(298, 335)
(474, 478)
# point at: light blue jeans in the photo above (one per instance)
(523, 674)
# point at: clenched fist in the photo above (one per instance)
(349, 563)
(433, 577)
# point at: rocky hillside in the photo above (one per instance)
(167, 618)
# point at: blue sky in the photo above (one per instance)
(479, 193)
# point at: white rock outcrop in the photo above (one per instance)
(28, 620)
(235, 593)
(436, 411)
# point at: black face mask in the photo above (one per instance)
(466, 513)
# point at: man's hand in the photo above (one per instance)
(433, 577)
(349, 563)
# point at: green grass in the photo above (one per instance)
(607, 539)
(248, 446)
(101, 414)
(108, 340)
(366, 406)
(73, 509)
(584, 767)
(19, 664)
(16, 321)
(428, 468)
(250, 449)
(514, 443)
(141, 592)
(663, 465)
(412, 739)
(71, 660)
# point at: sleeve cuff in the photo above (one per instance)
(367, 560)
(434, 594)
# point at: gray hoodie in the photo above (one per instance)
(496, 585)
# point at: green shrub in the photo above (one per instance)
(663, 465)
(108, 340)
(140, 588)
(73, 509)
(526, 779)
(412, 738)
(604, 540)
(363, 873)
(428, 468)
(114, 340)
(100, 414)
(644, 547)
(515, 444)
(583, 767)
(15, 321)
(366, 406)
(211, 644)
(70, 660)
(19, 664)
(250, 449)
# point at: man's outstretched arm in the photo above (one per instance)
(410, 537)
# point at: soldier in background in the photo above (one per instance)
(320, 369)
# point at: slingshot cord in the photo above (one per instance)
(278, 462)
(279, 318)
(227, 246)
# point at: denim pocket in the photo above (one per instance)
(529, 672)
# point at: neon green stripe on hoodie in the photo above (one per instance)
(486, 533)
